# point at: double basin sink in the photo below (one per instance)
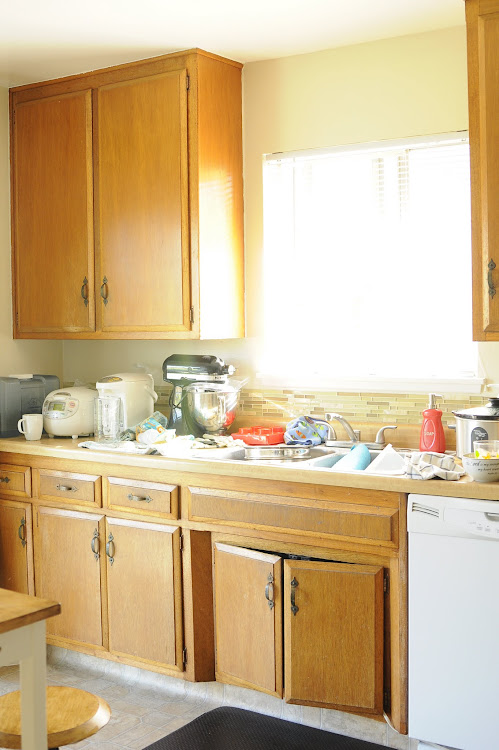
(316, 457)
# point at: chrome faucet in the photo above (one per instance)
(352, 434)
(331, 434)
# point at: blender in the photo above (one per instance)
(202, 400)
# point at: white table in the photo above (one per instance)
(22, 641)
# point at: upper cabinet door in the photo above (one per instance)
(333, 635)
(53, 215)
(483, 82)
(142, 242)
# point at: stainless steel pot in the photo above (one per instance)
(212, 406)
(477, 423)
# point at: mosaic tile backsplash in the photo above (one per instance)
(283, 405)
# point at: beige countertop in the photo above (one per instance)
(68, 449)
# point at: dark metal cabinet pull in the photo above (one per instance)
(269, 591)
(104, 291)
(84, 291)
(21, 532)
(110, 549)
(294, 584)
(66, 488)
(140, 499)
(94, 544)
(5, 479)
(490, 280)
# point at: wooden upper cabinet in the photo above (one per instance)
(52, 214)
(482, 17)
(142, 199)
(127, 204)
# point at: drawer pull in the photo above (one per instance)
(5, 479)
(94, 544)
(269, 591)
(140, 499)
(294, 584)
(66, 488)
(21, 532)
(110, 549)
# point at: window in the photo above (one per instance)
(367, 262)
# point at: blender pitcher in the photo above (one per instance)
(108, 418)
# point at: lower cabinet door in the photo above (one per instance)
(144, 591)
(333, 635)
(248, 618)
(69, 569)
(16, 549)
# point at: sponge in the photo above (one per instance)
(357, 459)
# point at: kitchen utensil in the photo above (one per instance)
(31, 426)
(476, 423)
(486, 448)
(22, 394)
(260, 435)
(69, 412)
(108, 422)
(279, 452)
(202, 399)
(136, 391)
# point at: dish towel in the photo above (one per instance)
(304, 431)
(431, 465)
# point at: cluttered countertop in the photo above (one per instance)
(68, 449)
(117, 424)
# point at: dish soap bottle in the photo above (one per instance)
(432, 436)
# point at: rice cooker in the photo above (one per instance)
(477, 423)
(69, 412)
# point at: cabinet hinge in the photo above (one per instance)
(386, 583)
(387, 704)
(184, 656)
(17, 319)
(181, 542)
(191, 315)
(188, 82)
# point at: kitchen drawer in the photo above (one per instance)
(297, 514)
(151, 498)
(78, 489)
(15, 481)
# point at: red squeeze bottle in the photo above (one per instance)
(432, 436)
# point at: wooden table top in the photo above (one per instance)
(18, 610)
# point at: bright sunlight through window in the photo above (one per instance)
(367, 260)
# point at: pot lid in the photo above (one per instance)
(489, 411)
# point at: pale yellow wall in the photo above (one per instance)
(42, 357)
(391, 88)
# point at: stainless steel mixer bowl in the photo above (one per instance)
(212, 406)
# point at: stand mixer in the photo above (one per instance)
(202, 401)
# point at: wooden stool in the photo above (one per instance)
(72, 716)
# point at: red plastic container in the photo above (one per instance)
(260, 435)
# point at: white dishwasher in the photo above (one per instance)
(454, 621)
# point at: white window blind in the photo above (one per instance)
(367, 261)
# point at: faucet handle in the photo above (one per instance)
(380, 436)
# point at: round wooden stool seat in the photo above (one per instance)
(72, 716)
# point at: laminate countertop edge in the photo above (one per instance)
(67, 449)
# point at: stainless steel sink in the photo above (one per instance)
(320, 456)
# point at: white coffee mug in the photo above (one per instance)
(31, 426)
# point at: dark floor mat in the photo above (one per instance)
(237, 729)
